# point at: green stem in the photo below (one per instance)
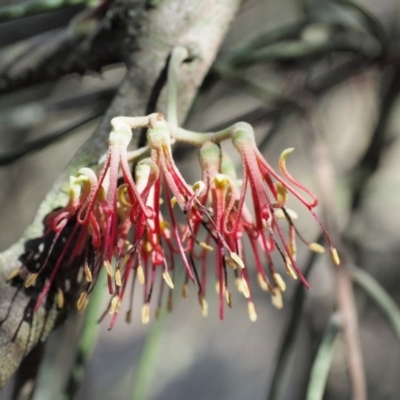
(178, 55)
(376, 292)
(147, 362)
(323, 360)
(87, 341)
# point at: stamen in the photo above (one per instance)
(251, 310)
(115, 304)
(262, 282)
(228, 298)
(140, 274)
(145, 313)
(205, 246)
(108, 268)
(185, 291)
(277, 299)
(118, 280)
(60, 299)
(82, 301)
(279, 282)
(88, 273)
(30, 280)
(237, 259)
(316, 248)
(289, 269)
(335, 256)
(245, 288)
(168, 279)
(13, 274)
(203, 305)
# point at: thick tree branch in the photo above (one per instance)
(201, 27)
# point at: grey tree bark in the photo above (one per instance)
(146, 36)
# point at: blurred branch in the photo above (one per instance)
(323, 359)
(41, 143)
(345, 298)
(380, 297)
(86, 45)
(33, 7)
(378, 143)
(290, 331)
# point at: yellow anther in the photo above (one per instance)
(316, 248)
(203, 305)
(262, 282)
(14, 273)
(88, 273)
(237, 259)
(168, 279)
(239, 284)
(251, 310)
(145, 313)
(31, 279)
(335, 256)
(108, 267)
(279, 282)
(185, 291)
(148, 247)
(122, 196)
(118, 280)
(140, 274)
(230, 263)
(173, 201)
(217, 287)
(281, 193)
(290, 270)
(164, 225)
(115, 304)
(245, 288)
(205, 246)
(228, 298)
(277, 299)
(60, 298)
(82, 301)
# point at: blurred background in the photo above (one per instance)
(320, 76)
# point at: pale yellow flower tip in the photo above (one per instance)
(335, 256)
(168, 279)
(251, 310)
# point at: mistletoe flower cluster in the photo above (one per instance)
(137, 218)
